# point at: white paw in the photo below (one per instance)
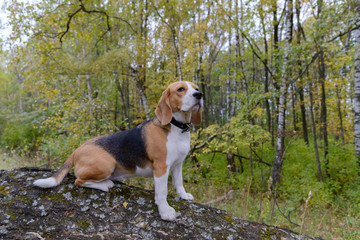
(186, 196)
(103, 185)
(110, 184)
(167, 213)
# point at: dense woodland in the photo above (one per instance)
(278, 79)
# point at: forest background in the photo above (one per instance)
(277, 140)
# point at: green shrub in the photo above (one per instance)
(21, 136)
(57, 148)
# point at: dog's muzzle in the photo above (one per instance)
(197, 95)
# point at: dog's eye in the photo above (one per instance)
(196, 89)
(181, 89)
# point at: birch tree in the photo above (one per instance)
(282, 98)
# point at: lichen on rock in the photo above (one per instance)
(70, 212)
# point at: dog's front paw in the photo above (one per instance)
(186, 196)
(167, 213)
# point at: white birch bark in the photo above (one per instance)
(228, 77)
(282, 99)
(89, 87)
(236, 51)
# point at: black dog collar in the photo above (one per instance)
(184, 126)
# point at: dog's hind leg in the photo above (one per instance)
(93, 167)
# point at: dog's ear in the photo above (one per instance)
(196, 117)
(163, 110)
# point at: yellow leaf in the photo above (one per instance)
(125, 204)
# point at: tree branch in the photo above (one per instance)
(100, 12)
(314, 57)
(243, 157)
(350, 29)
(85, 10)
(62, 34)
(127, 23)
(205, 142)
(254, 159)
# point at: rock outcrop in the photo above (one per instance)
(125, 212)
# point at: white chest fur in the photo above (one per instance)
(178, 145)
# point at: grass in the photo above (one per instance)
(329, 222)
(11, 160)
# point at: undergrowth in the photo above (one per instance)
(330, 209)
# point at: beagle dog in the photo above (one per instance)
(155, 148)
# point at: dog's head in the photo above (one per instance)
(180, 96)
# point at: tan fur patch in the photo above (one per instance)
(155, 143)
(65, 168)
(196, 118)
(176, 97)
(163, 110)
(92, 163)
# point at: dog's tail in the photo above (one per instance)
(57, 178)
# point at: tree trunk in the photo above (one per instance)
(293, 102)
(175, 41)
(241, 162)
(127, 100)
(122, 96)
(338, 106)
(228, 71)
(116, 111)
(199, 70)
(301, 82)
(343, 76)
(251, 161)
(140, 86)
(89, 86)
(323, 111)
(231, 162)
(276, 75)
(280, 135)
(313, 128)
(357, 89)
(279, 154)
(236, 61)
(303, 114)
(266, 72)
(323, 108)
(144, 102)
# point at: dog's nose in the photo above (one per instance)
(197, 95)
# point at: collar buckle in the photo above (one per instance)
(186, 127)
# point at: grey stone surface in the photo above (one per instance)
(125, 212)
